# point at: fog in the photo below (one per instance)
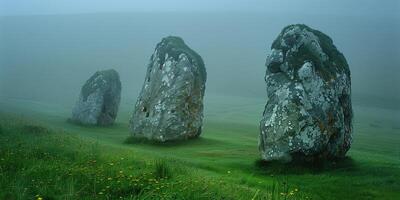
(338, 7)
(48, 50)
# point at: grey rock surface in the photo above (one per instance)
(99, 99)
(308, 114)
(170, 105)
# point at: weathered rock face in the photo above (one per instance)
(308, 113)
(99, 99)
(170, 105)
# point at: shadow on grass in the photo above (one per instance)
(346, 164)
(34, 130)
(80, 124)
(199, 141)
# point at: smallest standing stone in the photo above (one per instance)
(99, 99)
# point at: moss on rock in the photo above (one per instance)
(309, 111)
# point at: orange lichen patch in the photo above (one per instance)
(321, 126)
(331, 119)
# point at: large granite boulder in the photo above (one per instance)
(308, 114)
(170, 105)
(99, 99)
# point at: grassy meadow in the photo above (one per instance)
(42, 156)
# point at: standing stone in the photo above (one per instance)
(308, 114)
(170, 105)
(99, 99)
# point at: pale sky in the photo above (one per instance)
(345, 7)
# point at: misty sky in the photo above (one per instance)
(343, 7)
(42, 53)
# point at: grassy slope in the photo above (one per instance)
(227, 151)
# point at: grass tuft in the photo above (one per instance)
(162, 170)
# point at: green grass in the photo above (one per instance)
(222, 164)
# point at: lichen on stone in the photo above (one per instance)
(309, 110)
(99, 99)
(170, 105)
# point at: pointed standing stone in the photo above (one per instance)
(170, 105)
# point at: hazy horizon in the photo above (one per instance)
(320, 7)
(49, 57)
